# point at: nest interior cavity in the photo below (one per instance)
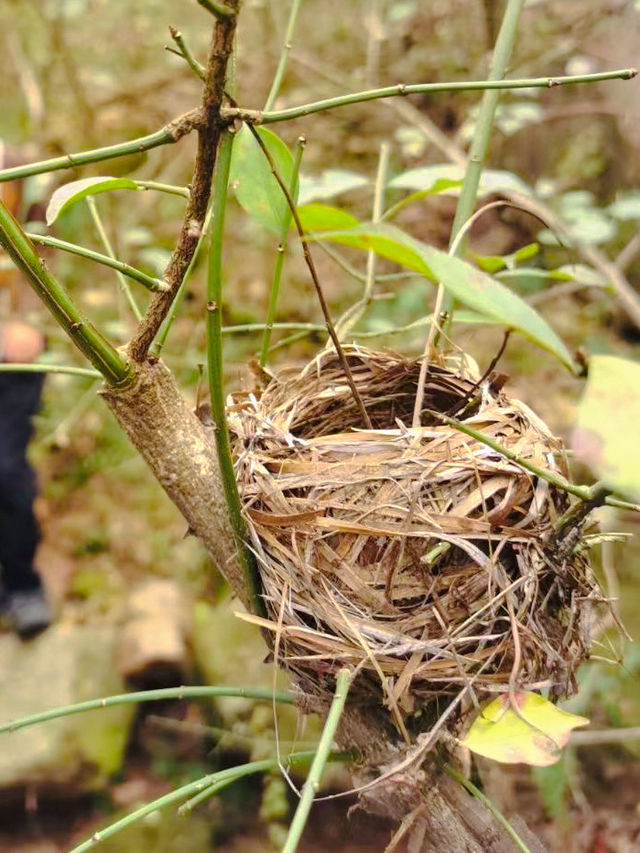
(419, 555)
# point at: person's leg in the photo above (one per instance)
(19, 531)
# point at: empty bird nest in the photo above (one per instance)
(419, 555)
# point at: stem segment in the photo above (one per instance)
(260, 117)
(343, 682)
(216, 373)
(281, 252)
(104, 357)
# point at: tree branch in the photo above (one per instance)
(209, 131)
(264, 117)
(167, 135)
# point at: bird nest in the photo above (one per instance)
(420, 556)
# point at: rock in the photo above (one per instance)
(152, 651)
(68, 663)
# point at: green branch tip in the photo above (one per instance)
(153, 284)
(402, 89)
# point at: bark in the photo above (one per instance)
(181, 453)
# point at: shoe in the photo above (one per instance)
(27, 612)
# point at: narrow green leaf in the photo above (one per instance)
(533, 732)
(441, 185)
(69, 194)
(606, 434)
(466, 283)
(252, 180)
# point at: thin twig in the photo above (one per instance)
(104, 239)
(167, 135)
(274, 290)
(316, 281)
(148, 281)
(164, 693)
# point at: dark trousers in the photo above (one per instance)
(19, 531)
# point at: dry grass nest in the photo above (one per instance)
(418, 555)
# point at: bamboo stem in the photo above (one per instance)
(284, 54)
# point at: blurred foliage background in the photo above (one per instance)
(85, 73)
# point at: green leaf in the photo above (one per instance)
(533, 732)
(69, 194)
(252, 180)
(425, 177)
(606, 434)
(466, 283)
(325, 217)
(330, 183)
(441, 185)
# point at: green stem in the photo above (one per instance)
(104, 357)
(353, 314)
(104, 239)
(284, 55)
(281, 251)
(223, 777)
(162, 694)
(167, 135)
(477, 793)
(481, 137)
(216, 371)
(165, 328)
(153, 284)
(30, 367)
(585, 493)
(482, 134)
(259, 117)
(343, 682)
(186, 54)
(170, 189)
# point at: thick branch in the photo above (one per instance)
(208, 139)
(181, 452)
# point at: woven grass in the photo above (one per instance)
(420, 556)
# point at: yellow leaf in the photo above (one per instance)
(523, 728)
